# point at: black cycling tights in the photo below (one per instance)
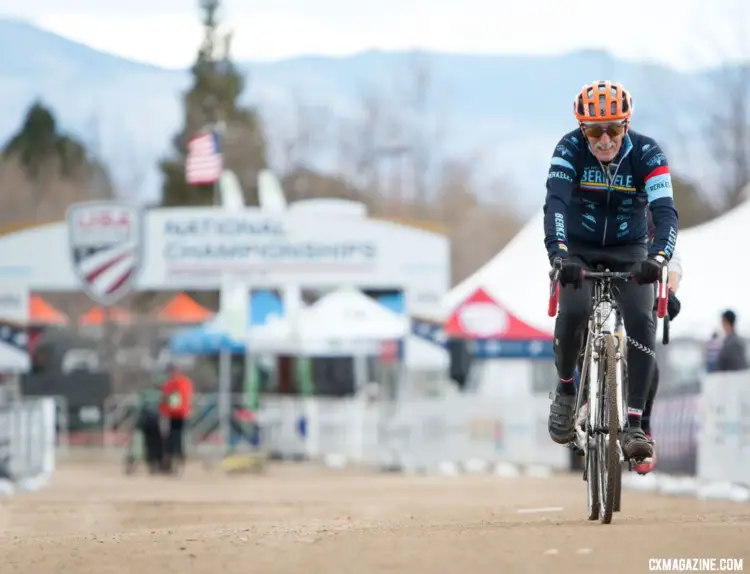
(646, 421)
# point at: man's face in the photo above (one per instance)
(726, 325)
(605, 138)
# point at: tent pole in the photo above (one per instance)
(225, 398)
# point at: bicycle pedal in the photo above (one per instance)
(576, 449)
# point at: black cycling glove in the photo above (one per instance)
(647, 271)
(570, 273)
(673, 305)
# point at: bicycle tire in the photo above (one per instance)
(592, 485)
(591, 468)
(608, 443)
(618, 489)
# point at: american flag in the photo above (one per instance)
(204, 162)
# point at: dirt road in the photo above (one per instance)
(301, 519)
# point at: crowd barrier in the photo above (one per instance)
(724, 455)
(27, 443)
(676, 429)
(420, 435)
(702, 433)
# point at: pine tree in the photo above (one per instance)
(213, 99)
(38, 142)
(57, 169)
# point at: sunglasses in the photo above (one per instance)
(598, 130)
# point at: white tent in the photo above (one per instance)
(423, 355)
(344, 322)
(518, 277)
(13, 359)
(717, 276)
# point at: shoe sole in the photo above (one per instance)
(640, 452)
(562, 438)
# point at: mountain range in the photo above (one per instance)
(511, 108)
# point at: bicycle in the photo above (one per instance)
(603, 390)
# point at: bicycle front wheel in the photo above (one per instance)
(607, 449)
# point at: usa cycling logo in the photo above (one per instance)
(106, 247)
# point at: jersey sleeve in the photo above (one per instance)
(561, 181)
(657, 183)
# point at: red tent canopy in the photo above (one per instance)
(97, 316)
(181, 309)
(42, 313)
(480, 316)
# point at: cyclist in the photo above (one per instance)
(602, 180)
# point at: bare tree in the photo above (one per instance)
(727, 127)
(728, 133)
(395, 145)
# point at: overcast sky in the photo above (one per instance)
(684, 33)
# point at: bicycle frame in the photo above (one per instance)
(605, 319)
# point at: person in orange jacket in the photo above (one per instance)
(176, 402)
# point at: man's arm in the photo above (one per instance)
(658, 185)
(675, 270)
(561, 181)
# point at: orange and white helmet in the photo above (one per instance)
(603, 101)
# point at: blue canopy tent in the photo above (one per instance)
(212, 338)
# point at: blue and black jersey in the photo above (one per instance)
(591, 203)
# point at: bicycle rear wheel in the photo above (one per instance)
(608, 456)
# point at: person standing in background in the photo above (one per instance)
(712, 351)
(732, 355)
(176, 404)
(148, 423)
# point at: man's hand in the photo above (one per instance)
(647, 271)
(673, 305)
(570, 273)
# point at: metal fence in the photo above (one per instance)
(27, 443)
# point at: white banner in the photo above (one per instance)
(193, 248)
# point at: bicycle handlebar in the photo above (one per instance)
(662, 291)
(605, 275)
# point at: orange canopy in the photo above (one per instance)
(98, 316)
(42, 313)
(182, 309)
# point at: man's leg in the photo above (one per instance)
(647, 466)
(574, 310)
(646, 419)
(175, 432)
(636, 303)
